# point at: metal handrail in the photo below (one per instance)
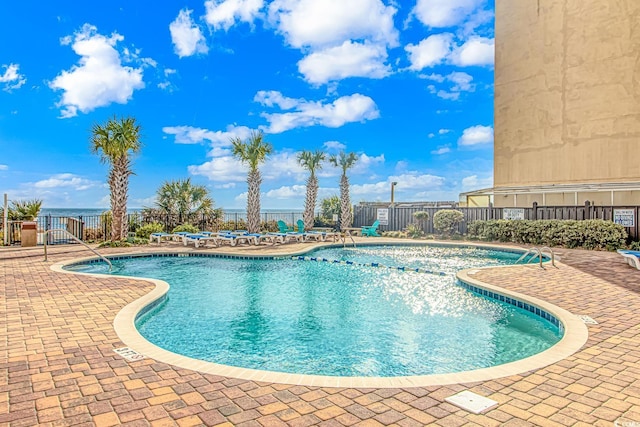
(538, 251)
(553, 255)
(77, 240)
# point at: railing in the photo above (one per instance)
(537, 252)
(77, 240)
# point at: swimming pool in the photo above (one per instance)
(331, 318)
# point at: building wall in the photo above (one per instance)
(567, 92)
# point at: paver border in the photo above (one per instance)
(575, 336)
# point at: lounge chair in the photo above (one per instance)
(318, 236)
(199, 239)
(283, 227)
(632, 257)
(371, 230)
(234, 238)
(166, 237)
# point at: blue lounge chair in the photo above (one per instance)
(632, 257)
(370, 230)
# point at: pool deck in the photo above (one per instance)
(59, 368)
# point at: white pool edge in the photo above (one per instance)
(575, 336)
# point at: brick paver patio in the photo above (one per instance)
(58, 366)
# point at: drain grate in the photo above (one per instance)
(588, 320)
(469, 401)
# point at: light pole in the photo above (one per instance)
(393, 185)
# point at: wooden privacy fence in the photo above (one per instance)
(400, 217)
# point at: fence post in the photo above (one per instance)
(587, 209)
(535, 211)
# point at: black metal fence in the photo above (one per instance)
(98, 227)
(398, 218)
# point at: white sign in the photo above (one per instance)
(624, 217)
(383, 216)
(129, 354)
(512, 213)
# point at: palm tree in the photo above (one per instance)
(182, 198)
(252, 152)
(115, 141)
(23, 210)
(312, 161)
(345, 162)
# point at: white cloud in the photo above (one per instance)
(346, 60)
(11, 79)
(225, 169)
(287, 192)
(321, 23)
(67, 180)
(409, 186)
(4, 167)
(461, 82)
(444, 131)
(441, 150)
(444, 13)
(365, 164)
(442, 49)
(476, 135)
(347, 109)
(429, 52)
(99, 79)
(474, 183)
(433, 77)
(193, 135)
(475, 51)
(186, 35)
(334, 146)
(223, 14)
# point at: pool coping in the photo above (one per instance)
(575, 331)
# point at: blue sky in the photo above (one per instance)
(407, 85)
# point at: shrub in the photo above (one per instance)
(588, 234)
(414, 231)
(114, 244)
(186, 228)
(446, 221)
(145, 231)
(397, 234)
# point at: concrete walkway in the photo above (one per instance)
(58, 366)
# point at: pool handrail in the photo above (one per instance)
(77, 240)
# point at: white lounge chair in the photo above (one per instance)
(632, 257)
(163, 237)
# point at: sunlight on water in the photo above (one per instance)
(337, 319)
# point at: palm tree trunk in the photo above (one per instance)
(119, 185)
(346, 218)
(253, 201)
(310, 202)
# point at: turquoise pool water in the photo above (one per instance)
(328, 318)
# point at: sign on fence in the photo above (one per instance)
(624, 217)
(512, 213)
(383, 216)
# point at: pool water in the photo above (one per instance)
(327, 318)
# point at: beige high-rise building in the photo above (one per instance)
(567, 104)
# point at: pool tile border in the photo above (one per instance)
(575, 331)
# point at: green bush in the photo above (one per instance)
(145, 231)
(414, 231)
(588, 234)
(185, 228)
(446, 221)
(114, 244)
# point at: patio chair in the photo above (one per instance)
(283, 227)
(632, 257)
(370, 230)
(163, 237)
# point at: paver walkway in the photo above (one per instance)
(58, 366)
